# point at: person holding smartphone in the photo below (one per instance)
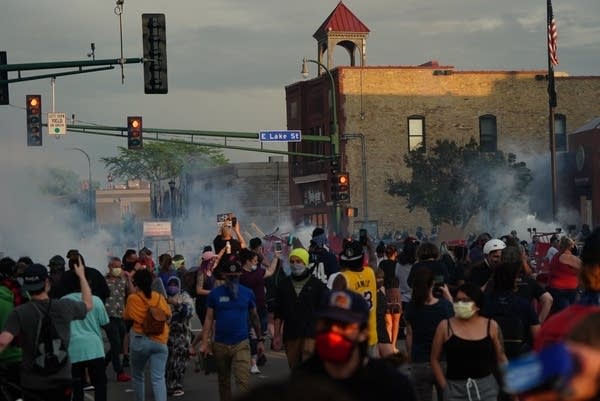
(229, 232)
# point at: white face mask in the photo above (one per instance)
(253, 267)
(297, 269)
(116, 272)
(464, 310)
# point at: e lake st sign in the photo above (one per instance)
(280, 136)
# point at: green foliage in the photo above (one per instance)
(162, 160)
(59, 182)
(454, 183)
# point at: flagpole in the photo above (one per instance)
(551, 105)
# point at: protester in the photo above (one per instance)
(25, 321)
(564, 268)
(146, 349)
(393, 305)
(384, 343)
(480, 272)
(423, 314)
(473, 348)
(56, 264)
(296, 301)
(428, 258)
(69, 282)
(253, 277)
(360, 279)
(180, 335)
(341, 357)
(115, 304)
(86, 349)
(229, 309)
(323, 262)
(10, 358)
(229, 233)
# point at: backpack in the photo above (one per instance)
(155, 320)
(189, 280)
(50, 352)
(512, 328)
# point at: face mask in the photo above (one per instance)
(116, 272)
(172, 290)
(333, 347)
(297, 269)
(464, 310)
(253, 267)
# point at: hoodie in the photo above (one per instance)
(11, 354)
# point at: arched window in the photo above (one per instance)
(488, 133)
(560, 132)
(416, 133)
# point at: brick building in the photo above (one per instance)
(393, 109)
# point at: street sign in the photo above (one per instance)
(57, 123)
(280, 136)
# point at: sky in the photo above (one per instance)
(228, 64)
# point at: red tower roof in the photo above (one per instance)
(341, 19)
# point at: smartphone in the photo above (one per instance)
(222, 218)
(278, 246)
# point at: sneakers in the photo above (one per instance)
(88, 387)
(125, 361)
(178, 393)
(123, 377)
(254, 370)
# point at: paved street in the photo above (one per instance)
(197, 385)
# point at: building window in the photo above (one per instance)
(416, 133)
(488, 133)
(560, 132)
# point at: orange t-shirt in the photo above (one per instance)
(136, 309)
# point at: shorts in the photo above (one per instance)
(392, 296)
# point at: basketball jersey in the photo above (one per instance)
(363, 283)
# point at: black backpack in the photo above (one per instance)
(513, 330)
(51, 352)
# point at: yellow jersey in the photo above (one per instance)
(363, 283)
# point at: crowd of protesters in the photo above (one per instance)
(462, 311)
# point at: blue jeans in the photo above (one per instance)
(143, 350)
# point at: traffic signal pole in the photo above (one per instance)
(191, 134)
(63, 64)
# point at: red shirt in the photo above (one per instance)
(562, 275)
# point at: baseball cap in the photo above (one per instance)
(34, 277)
(345, 306)
(352, 254)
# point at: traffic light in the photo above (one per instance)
(351, 212)
(134, 133)
(154, 37)
(33, 107)
(3, 77)
(340, 187)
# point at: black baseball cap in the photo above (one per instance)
(34, 277)
(345, 306)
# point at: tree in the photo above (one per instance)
(162, 160)
(454, 183)
(58, 182)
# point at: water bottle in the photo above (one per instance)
(551, 368)
(228, 247)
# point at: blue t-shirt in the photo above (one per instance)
(424, 321)
(231, 315)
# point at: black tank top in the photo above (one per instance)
(469, 358)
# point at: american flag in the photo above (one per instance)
(552, 36)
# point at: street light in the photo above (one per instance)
(335, 138)
(89, 183)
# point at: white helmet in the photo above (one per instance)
(493, 245)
